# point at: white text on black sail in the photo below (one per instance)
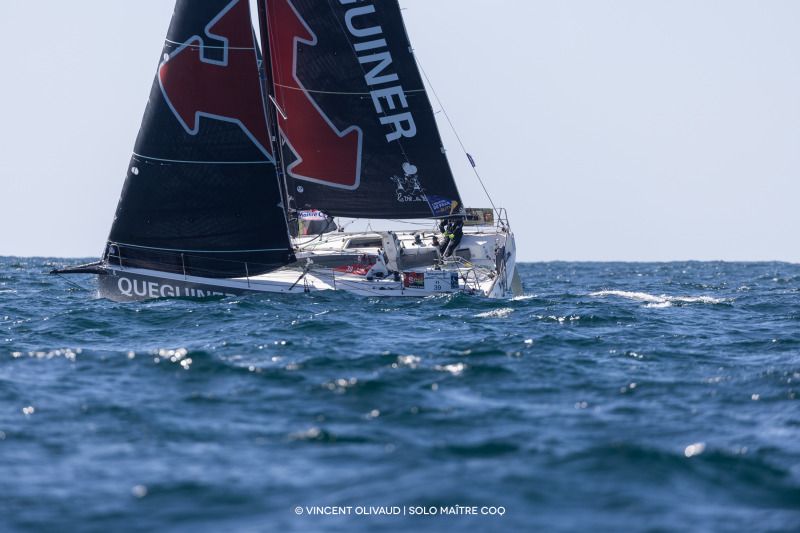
(369, 53)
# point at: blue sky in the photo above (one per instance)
(610, 130)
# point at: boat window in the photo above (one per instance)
(367, 242)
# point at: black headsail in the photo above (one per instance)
(358, 134)
(201, 195)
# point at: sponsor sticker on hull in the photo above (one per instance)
(131, 287)
(414, 279)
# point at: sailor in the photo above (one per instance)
(443, 230)
(453, 230)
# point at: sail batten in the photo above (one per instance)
(205, 162)
(211, 46)
(366, 93)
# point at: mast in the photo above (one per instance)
(271, 105)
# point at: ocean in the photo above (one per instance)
(643, 397)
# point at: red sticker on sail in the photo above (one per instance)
(324, 154)
(224, 85)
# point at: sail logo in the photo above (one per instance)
(408, 187)
(368, 50)
(195, 83)
(323, 154)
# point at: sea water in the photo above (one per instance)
(612, 397)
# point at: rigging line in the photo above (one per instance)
(205, 162)
(410, 223)
(305, 271)
(72, 283)
(344, 227)
(341, 93)
(203, 45)
(444, 111)
(328, 225)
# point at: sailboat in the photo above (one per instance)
(258, 130)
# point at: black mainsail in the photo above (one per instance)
(202, 195)
(358, 134)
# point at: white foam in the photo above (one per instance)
(497, 313)
(659, 301)
(455, 369)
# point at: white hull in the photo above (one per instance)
(483, 266)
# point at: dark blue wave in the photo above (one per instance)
(633, 396)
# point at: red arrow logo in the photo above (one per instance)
(227, 89)
(324, 154)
